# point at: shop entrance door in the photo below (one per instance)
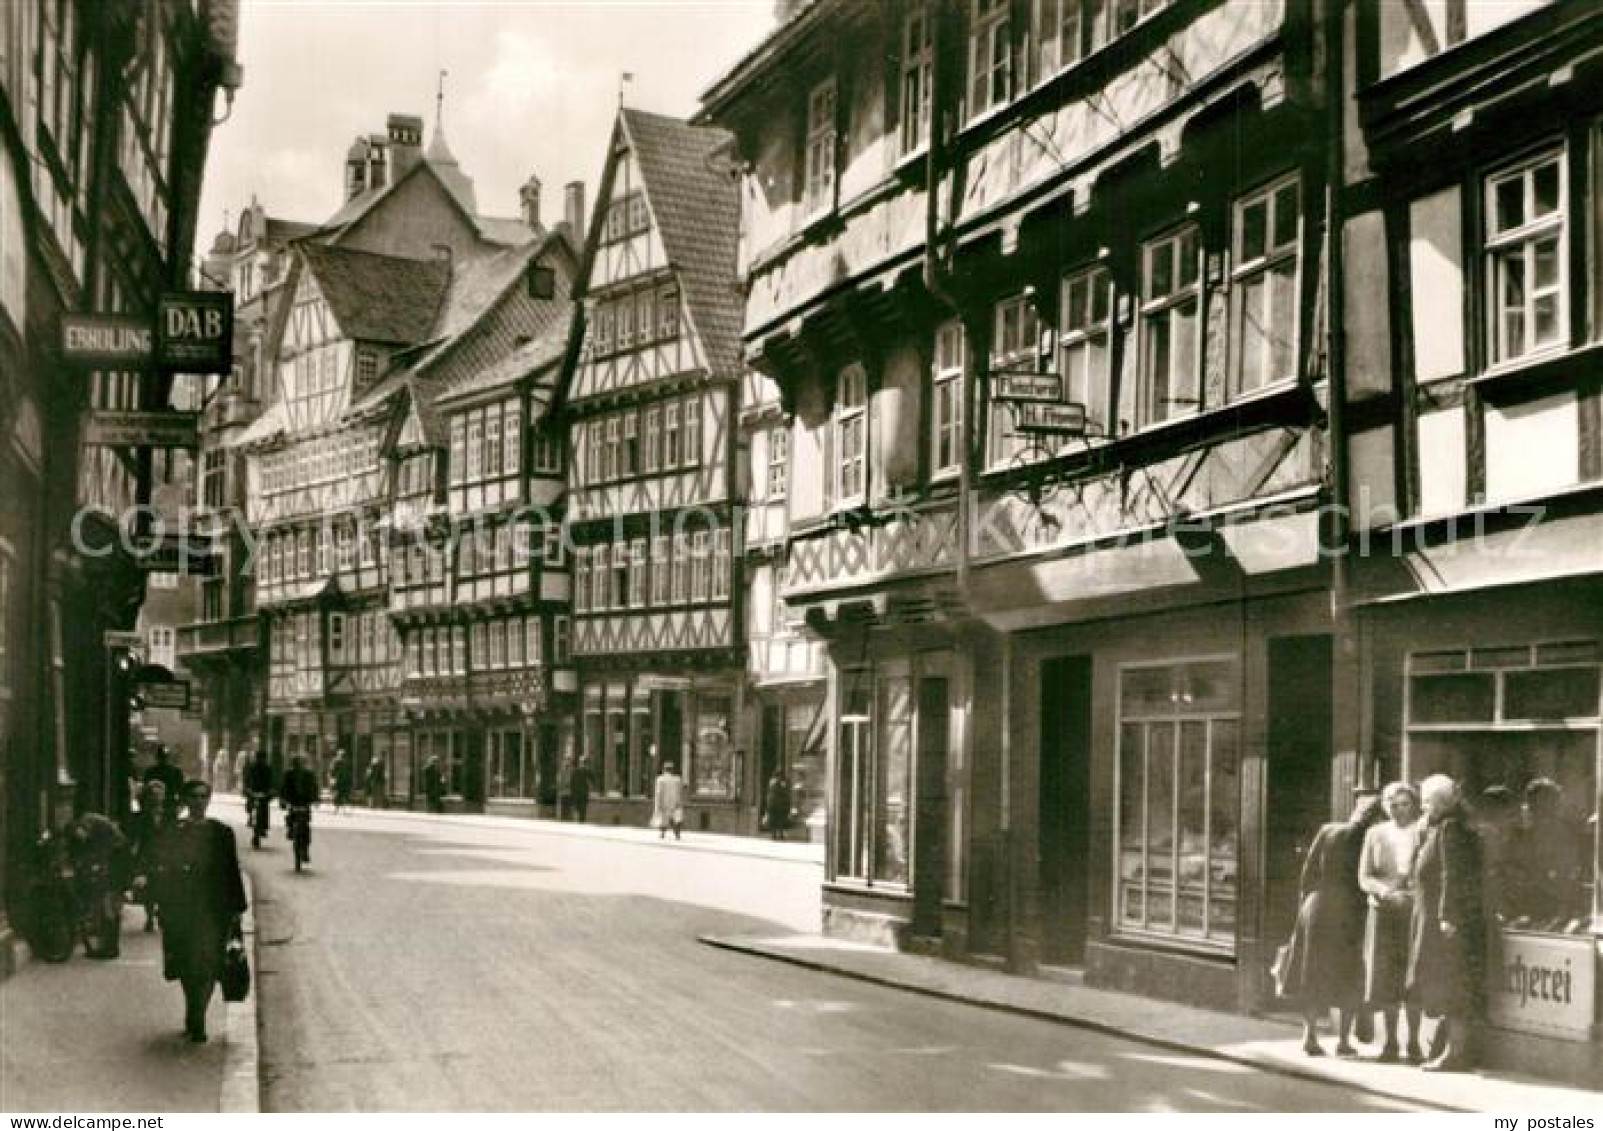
(1297, 797)
(1064, 799)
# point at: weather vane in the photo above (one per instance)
(439, 100)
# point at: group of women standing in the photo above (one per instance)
(1392, 920)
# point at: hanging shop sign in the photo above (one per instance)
(190, 555)
(1051, 419)
(112, 638)
(1024, 386)
(195, 331)
(106, 341)
(120, 429)
(1545, 985)
(169, 694)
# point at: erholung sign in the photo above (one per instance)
(111, 341)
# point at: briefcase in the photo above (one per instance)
(236, 971)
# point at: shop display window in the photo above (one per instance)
(1179, 800)
(714, 763)
(1527, 726)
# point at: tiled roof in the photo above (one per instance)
(282, 231)
(695, 201)
(378, 298)
(492, 229)
(265, 427)
(530, 357)
(507, 230)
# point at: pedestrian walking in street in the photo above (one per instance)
(202, 898)
(1386, 873)
(100, 874)
(148, 832)
(434, 784)
(565, 788)
(668, 802)
(776, 806)
(1325, 969)
(341, 778)
(1447, 935)
(169, 775)
(583, 779)
(373, 783)
(220, 779)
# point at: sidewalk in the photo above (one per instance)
(107, 1036)
(1261, 1043)
(728, 844)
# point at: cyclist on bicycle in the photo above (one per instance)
(298, 793)
(258, 796)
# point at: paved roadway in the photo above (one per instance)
(426, 965)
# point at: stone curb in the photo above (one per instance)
(241, 1092)
(1243, 1057)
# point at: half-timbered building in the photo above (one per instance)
(1474, 349)
(318, 492)
(478, 584)
(106, 115)
(651, 407)
(1041, 288)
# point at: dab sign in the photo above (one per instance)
(195, 331)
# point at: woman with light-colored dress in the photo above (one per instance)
(1385, 873)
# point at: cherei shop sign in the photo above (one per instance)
(1546, 985)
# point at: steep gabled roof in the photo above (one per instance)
(695, 201)
(492, 229)
(378, 298)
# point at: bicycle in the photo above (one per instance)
(258, 815)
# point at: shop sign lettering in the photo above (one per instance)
(1544, 985)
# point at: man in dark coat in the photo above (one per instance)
(582, 775)
(434, 785)
(169, 775)
(1447, 938)
(202, 899)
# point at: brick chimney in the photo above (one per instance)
(573, 210)
(406, 142)
(529, 202)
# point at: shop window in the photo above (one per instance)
(1171, 298)
(1179, 749)
(713, 764)
(946, 403)
(1264, 308)
(989, 55)
(918, 77)
(851, 829)
(820, 148)
(1525, 250)
(892, 780)
(873, 826)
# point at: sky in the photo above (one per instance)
(531, 87)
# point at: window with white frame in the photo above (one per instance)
(1058, 29)
(600, 578)
(512, 439)
(989, 55)
(670, 436)
(637, 573)
(1264, 308)
(547, 451)
(699, 565)
(820, 159)
(851, 437)
(652, 427)
(918, 74)
(581, 579)
(690, 421)
(629, 453)
(681, 569)
(1015, 347)
(1084, 354)
(659, 570)
(1171, 328)
(551, 544)
(722, 565)
(946, 402)
(778, 462)
(668, 313)
(1525, 252)
(336, 638)
(609, 459)
(620, 576)
(1178, 810)
(459, 649)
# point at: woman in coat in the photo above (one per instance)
(1325, 967)
(1386, 873)
(776, 807)
(668, 807)
(1447, 935)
